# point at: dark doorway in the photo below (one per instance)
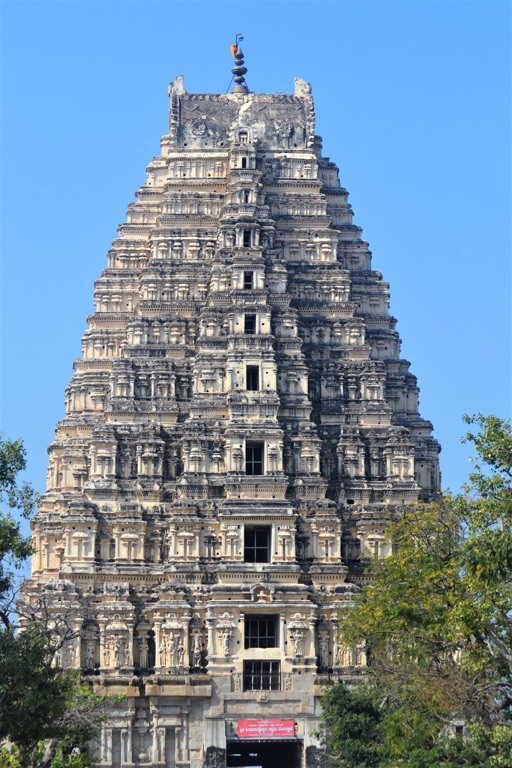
(252, 378)
(266, 754)
(250, 324)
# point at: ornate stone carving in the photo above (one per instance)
(238, 433)
(225, 629)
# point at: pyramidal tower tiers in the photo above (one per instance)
(239, 430)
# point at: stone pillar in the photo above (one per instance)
(106, 745)
(312, 625)
(182, 736)
(158, 640)
(186, 641)
(210, 625)
(126, 747)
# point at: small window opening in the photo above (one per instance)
(244, 162)
(247, 238)
(248, 280)
(254, 458)
(261, 676)
(257, 545)
(246, 195)
(252, 378)
(260, 631)
(250, 324)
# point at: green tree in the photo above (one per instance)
(14, 546)
(47, 714)
(437, 621)
(351, 727)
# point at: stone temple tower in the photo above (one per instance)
(238, 432)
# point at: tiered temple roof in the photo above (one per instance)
(238, 433)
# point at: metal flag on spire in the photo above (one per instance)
(238, 70)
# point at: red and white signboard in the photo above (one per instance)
(258, 729)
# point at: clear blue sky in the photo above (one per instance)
(413, 103)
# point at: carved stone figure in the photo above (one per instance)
(143, 652)
(323, 656)
(338, 654)
(107, 653)
(298, 638)
(238, 433)
(164, 651)
(225, 639)
(196, 651)
(90, 654)
(173, 651)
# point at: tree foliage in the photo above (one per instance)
(47, 714)
(351, 726)
(14, 546)
(437, 621)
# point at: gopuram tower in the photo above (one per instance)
(239, 431)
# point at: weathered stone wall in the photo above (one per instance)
(238, 433)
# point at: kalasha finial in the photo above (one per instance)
(238, 70)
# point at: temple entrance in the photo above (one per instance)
(264, 754)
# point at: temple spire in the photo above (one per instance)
(238, 70)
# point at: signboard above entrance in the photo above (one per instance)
(258, 729)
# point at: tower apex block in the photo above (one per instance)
(239, 431)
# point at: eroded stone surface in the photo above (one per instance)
(239, 430)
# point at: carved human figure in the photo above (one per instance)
(173, 651)
(117, 651)
(285, 131)
(323, 651)
(68, 656)
(196, 651)
(90, 654)
(172, 463)
(143, 652)
(107, 652)
(338, 654)
(50, 473)
(126, 462)
(225, 638)
(297, 637)
(125, 652)
(164, 651)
